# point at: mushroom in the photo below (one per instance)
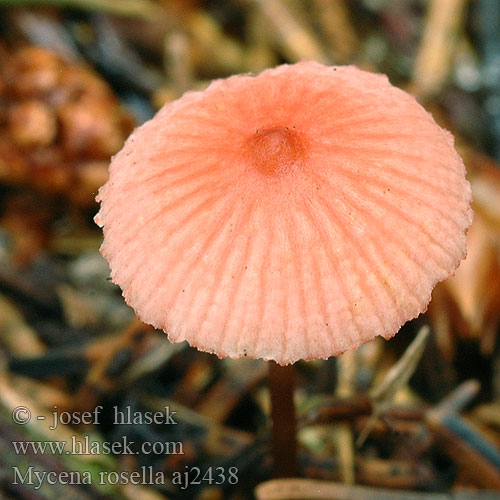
(291, 215)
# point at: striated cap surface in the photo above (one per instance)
(291, 215)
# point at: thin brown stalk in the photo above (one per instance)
(284, 427)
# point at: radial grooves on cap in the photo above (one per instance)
(421, 261)
(344, 109)
(204, 307)
(136, 243)
(321, 300)
(295, 289)
(224, 272)
(263, 285)
(335, 270)
(374, 173)
(315, 302)
(345, 245)
(421, 199)
(252, 315)
(187, 266)
(357, 243)
(239, 274)
(276, 295)
(392, 209)
(382, 247)
(285, 294)
(366, 137)
(214, 238)
(172, 205)
(399, 187)
(169, 240)
(377, 119)
(190, 192)
(388, 234)
(385, 181)
(357, 248)
(396, 154)
(192, 170)
(180, 152)
(192, 175)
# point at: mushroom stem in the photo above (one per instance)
(281, 384)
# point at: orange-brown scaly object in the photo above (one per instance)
(59, 124)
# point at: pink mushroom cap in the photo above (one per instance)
(290, 215)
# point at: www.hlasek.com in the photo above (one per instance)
(85, 445)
